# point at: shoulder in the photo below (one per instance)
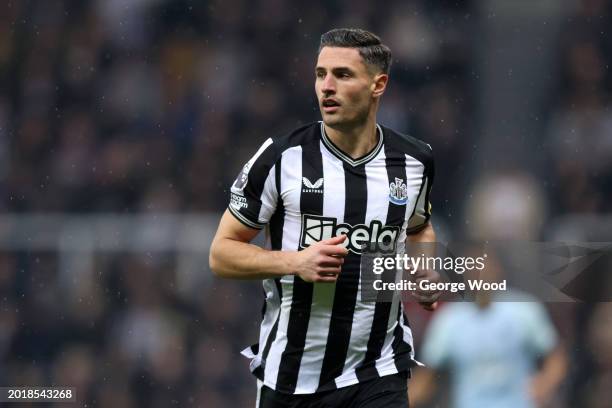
(521, 304)
(515, 295)
(272, 149)
(408, 145)
(300, 136)
(457, 314)
(451, 313)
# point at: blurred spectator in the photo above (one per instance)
(499, 350)
(579, 129)
(505, 206)
(490, 350)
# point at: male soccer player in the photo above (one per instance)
(324, 192)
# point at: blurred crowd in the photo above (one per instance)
(580, 127)
(154, 105)
(579, 139)
(129, 339)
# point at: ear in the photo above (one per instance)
(379, 85)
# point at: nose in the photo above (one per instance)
(329, 84)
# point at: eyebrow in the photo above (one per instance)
(336, 70)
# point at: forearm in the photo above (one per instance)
(422, 243)
(427, 234)
(239, 260)
(422, 386)
(551, 374)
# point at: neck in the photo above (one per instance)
(355, 141)
(483, 300)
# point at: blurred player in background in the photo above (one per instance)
(498, 352)
(322, 192)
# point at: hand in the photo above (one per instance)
(322, 262)
(539, 390)
(428, 299)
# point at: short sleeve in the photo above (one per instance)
(254, 194)
(541, 334)
(422, 210)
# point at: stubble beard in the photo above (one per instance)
(339, 123)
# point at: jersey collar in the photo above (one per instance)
(335, 150)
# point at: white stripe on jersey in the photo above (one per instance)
(386, 364)
(268, 201)
(416, 167)
(291, 166)
(323, 293)
(270, 317)
(419, 207)
(377, 203)
(258, 399)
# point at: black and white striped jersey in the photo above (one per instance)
(302, 189)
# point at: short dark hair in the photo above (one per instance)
(371, 49)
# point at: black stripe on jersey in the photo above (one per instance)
(409, 145)
(277, 220)
(355, 206)
(401, 349)
(430, 171)
(395, 163)
(259, 371)
(423, 180)
(264, 306)
(311, 202)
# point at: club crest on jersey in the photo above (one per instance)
(398, 192)
(375, 237)
(316, 187)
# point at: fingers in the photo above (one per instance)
(425, 297)
(324, 260)
(334, 240)
(422, 298)
(429, 306)
(327, 274)
(334, 250)
(323, 271)
(423, 273)
(326, 279)
(332, 246)
(331, 261)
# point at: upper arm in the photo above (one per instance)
(231, 228)
(422, 209)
